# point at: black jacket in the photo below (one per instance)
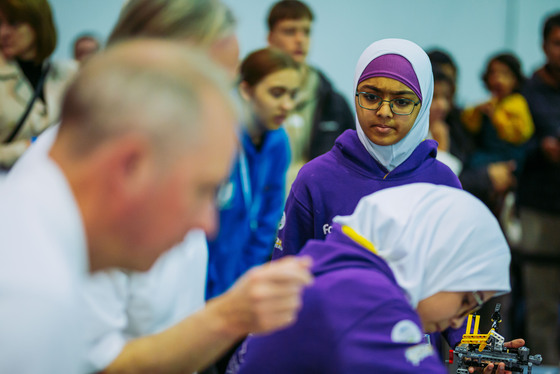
(539, 185)
(332, 117)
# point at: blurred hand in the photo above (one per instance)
(551, 148)
(501, 175)
(499, 368)
(267, 297)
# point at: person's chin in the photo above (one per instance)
(276, 122)
(299, 58)
(432, 328)
(382, 140)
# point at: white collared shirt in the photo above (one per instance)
(43, 264)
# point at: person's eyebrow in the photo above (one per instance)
(375, 89)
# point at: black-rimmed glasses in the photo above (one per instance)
(399, 106)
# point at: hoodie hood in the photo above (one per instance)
(350, 151)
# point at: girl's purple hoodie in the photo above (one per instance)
(333, 183)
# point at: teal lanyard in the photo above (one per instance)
(252, 203)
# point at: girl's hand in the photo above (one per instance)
(499, 368)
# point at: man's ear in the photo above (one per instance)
(133, 164)
(268, 37)
(245, 91)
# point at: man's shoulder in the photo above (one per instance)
(540, 81)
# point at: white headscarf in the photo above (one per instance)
(392, 156)
(434, 238)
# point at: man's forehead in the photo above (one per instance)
(293, 22)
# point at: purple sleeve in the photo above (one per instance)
(295, 229)
(389, 349)
(379, 342)
(454, 336)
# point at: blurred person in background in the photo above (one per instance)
(31, 85)
(442, 104)
(321, 113)
(251, 202)
(485, 181)
(208, 25)
(84, 46)
(502, 125)
(539, 200)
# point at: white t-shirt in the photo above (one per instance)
(125, 305)
(122, 305)
(43, 265)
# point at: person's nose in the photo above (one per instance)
(385, 110)
(288, 104)
(4, 29)
(300, 37)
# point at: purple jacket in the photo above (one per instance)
(333, 183)
(355, 319)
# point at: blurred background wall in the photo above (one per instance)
(469, 30)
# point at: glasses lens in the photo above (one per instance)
(369, 101)
(478, 298)
(373, 102)
(402, 106)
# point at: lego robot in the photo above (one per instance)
(478, 350)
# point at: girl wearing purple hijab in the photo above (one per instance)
(393, 92)
(394, 88)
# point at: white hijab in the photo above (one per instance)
(434, 238)
(392, 156)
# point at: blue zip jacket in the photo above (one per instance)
(250, 206)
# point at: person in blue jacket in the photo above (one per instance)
(251, 201)
(382, 281)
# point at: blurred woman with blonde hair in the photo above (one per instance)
(207, 24)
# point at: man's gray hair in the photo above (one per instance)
(149, 86)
